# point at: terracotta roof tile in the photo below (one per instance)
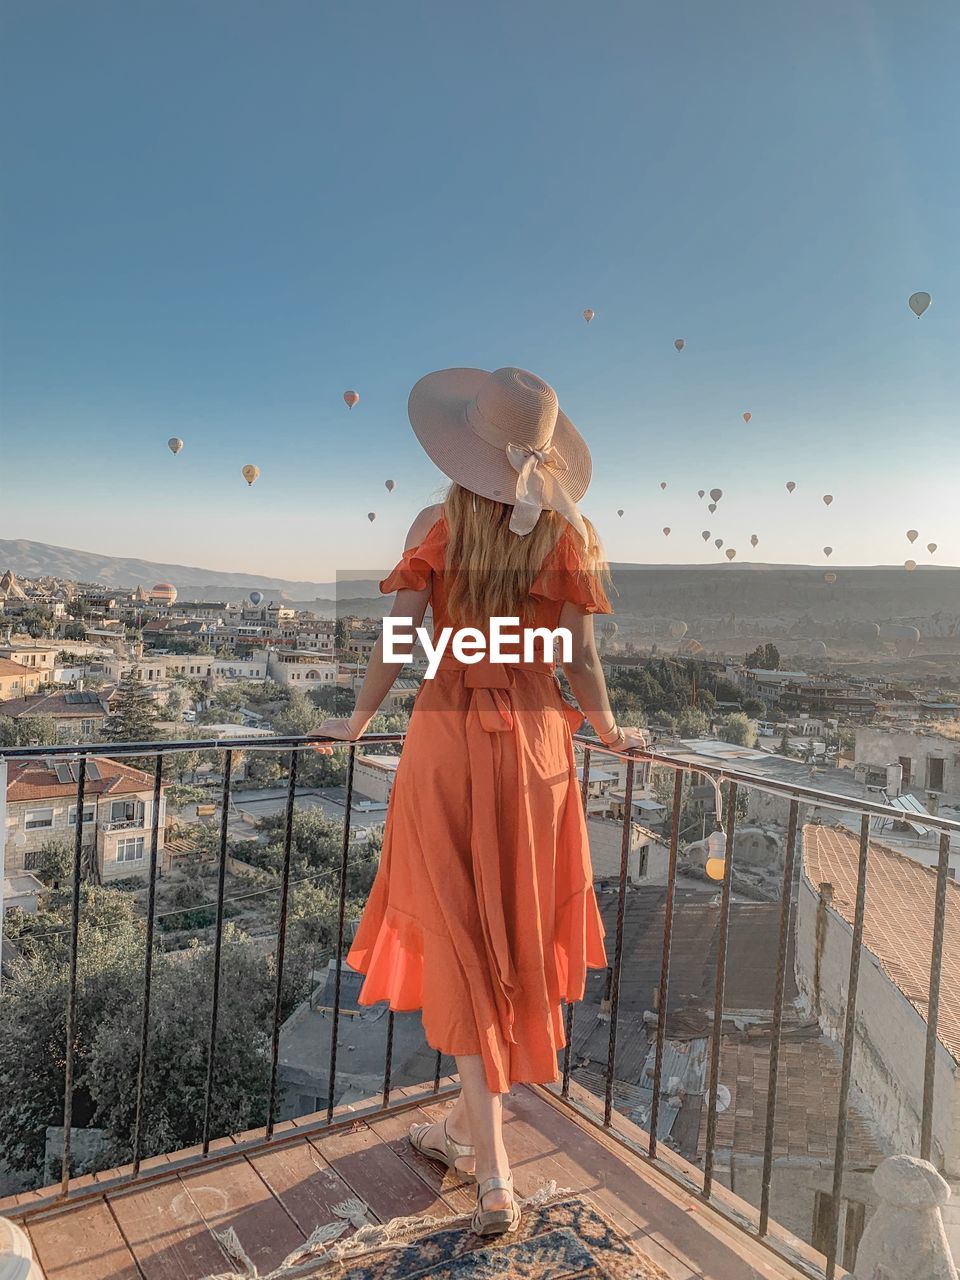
(898, 917)
(33, 780)
(808, 1102)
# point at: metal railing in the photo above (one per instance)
(720, 774)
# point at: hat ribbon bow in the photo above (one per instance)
(535, 468)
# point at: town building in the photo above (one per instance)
(893, 989)
(16, 680)
(117, 819)
(301, 669)
(79, 715)
(38, 659)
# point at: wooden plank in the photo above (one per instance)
(460, 1196)
(166, 1233)
(676, 1221)
(377, 1175)
(301, 1179)
(232, 1194)
(82, 1244)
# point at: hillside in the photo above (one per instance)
(787, 595)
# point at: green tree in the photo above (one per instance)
(766, 657)
(28, 731)
(740, 729)
(134, 714)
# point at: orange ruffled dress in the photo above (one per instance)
(482, 913)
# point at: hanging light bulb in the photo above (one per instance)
(716, 855)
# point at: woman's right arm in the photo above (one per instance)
(585, 676)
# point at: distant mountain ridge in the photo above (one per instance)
(38, 559)
(784, 592)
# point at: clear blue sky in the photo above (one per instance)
(219, 215)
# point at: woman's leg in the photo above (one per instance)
(484, 1111)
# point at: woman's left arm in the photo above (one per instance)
(379, 675)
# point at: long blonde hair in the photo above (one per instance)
(490, 569)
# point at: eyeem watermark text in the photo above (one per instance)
(506, 642)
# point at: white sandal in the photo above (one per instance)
(451, 1153)
(488, 1222)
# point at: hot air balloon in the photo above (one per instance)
(818, 649)
(700, 493)
(912, 535)
(620, 511)
(705, 535)
(918, 303)
(350, 398)
(716, 494)
(754, 539)
(828, 551)
(679, 344)
(690, 646)
(389, 485)
(730, 553)
(663, 484)
(931, 547)
(250, 473)
(747, 417)
(666, 531)
(678, 630)
(910, 564)
(791, 485)
(830, 577)
(711, 507)
(588, 315)
(255, 597)
(865, 631)
(371, 516)
(718, 543)
(174, 444)
(827, 499)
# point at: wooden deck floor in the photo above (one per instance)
(160, 1228)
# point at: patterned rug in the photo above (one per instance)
(566, 1240)
(561, 1237)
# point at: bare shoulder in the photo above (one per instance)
(422, 525)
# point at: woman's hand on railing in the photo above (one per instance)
(344, 729)
(622, 741)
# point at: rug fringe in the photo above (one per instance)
(323, 1247)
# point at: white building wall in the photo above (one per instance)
(890, 1040)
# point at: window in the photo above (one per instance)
(89, 812)
(906, 764)
(37, 818)
(934, 773)
(130, 850)
(853, 1214)
(126, 811)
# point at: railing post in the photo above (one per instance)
(72, 981)
(849, 1030)
(618, 950)
(933, 997)
(345, 853)
(664, 988)
(718, 993)
(148, 966)
(786, 901)
(217, 950)
(282, 940)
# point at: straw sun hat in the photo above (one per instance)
(502, 435)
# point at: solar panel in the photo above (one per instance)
(910, 804)
(63, 773)
(93, 771)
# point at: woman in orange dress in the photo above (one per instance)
(483, 913)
